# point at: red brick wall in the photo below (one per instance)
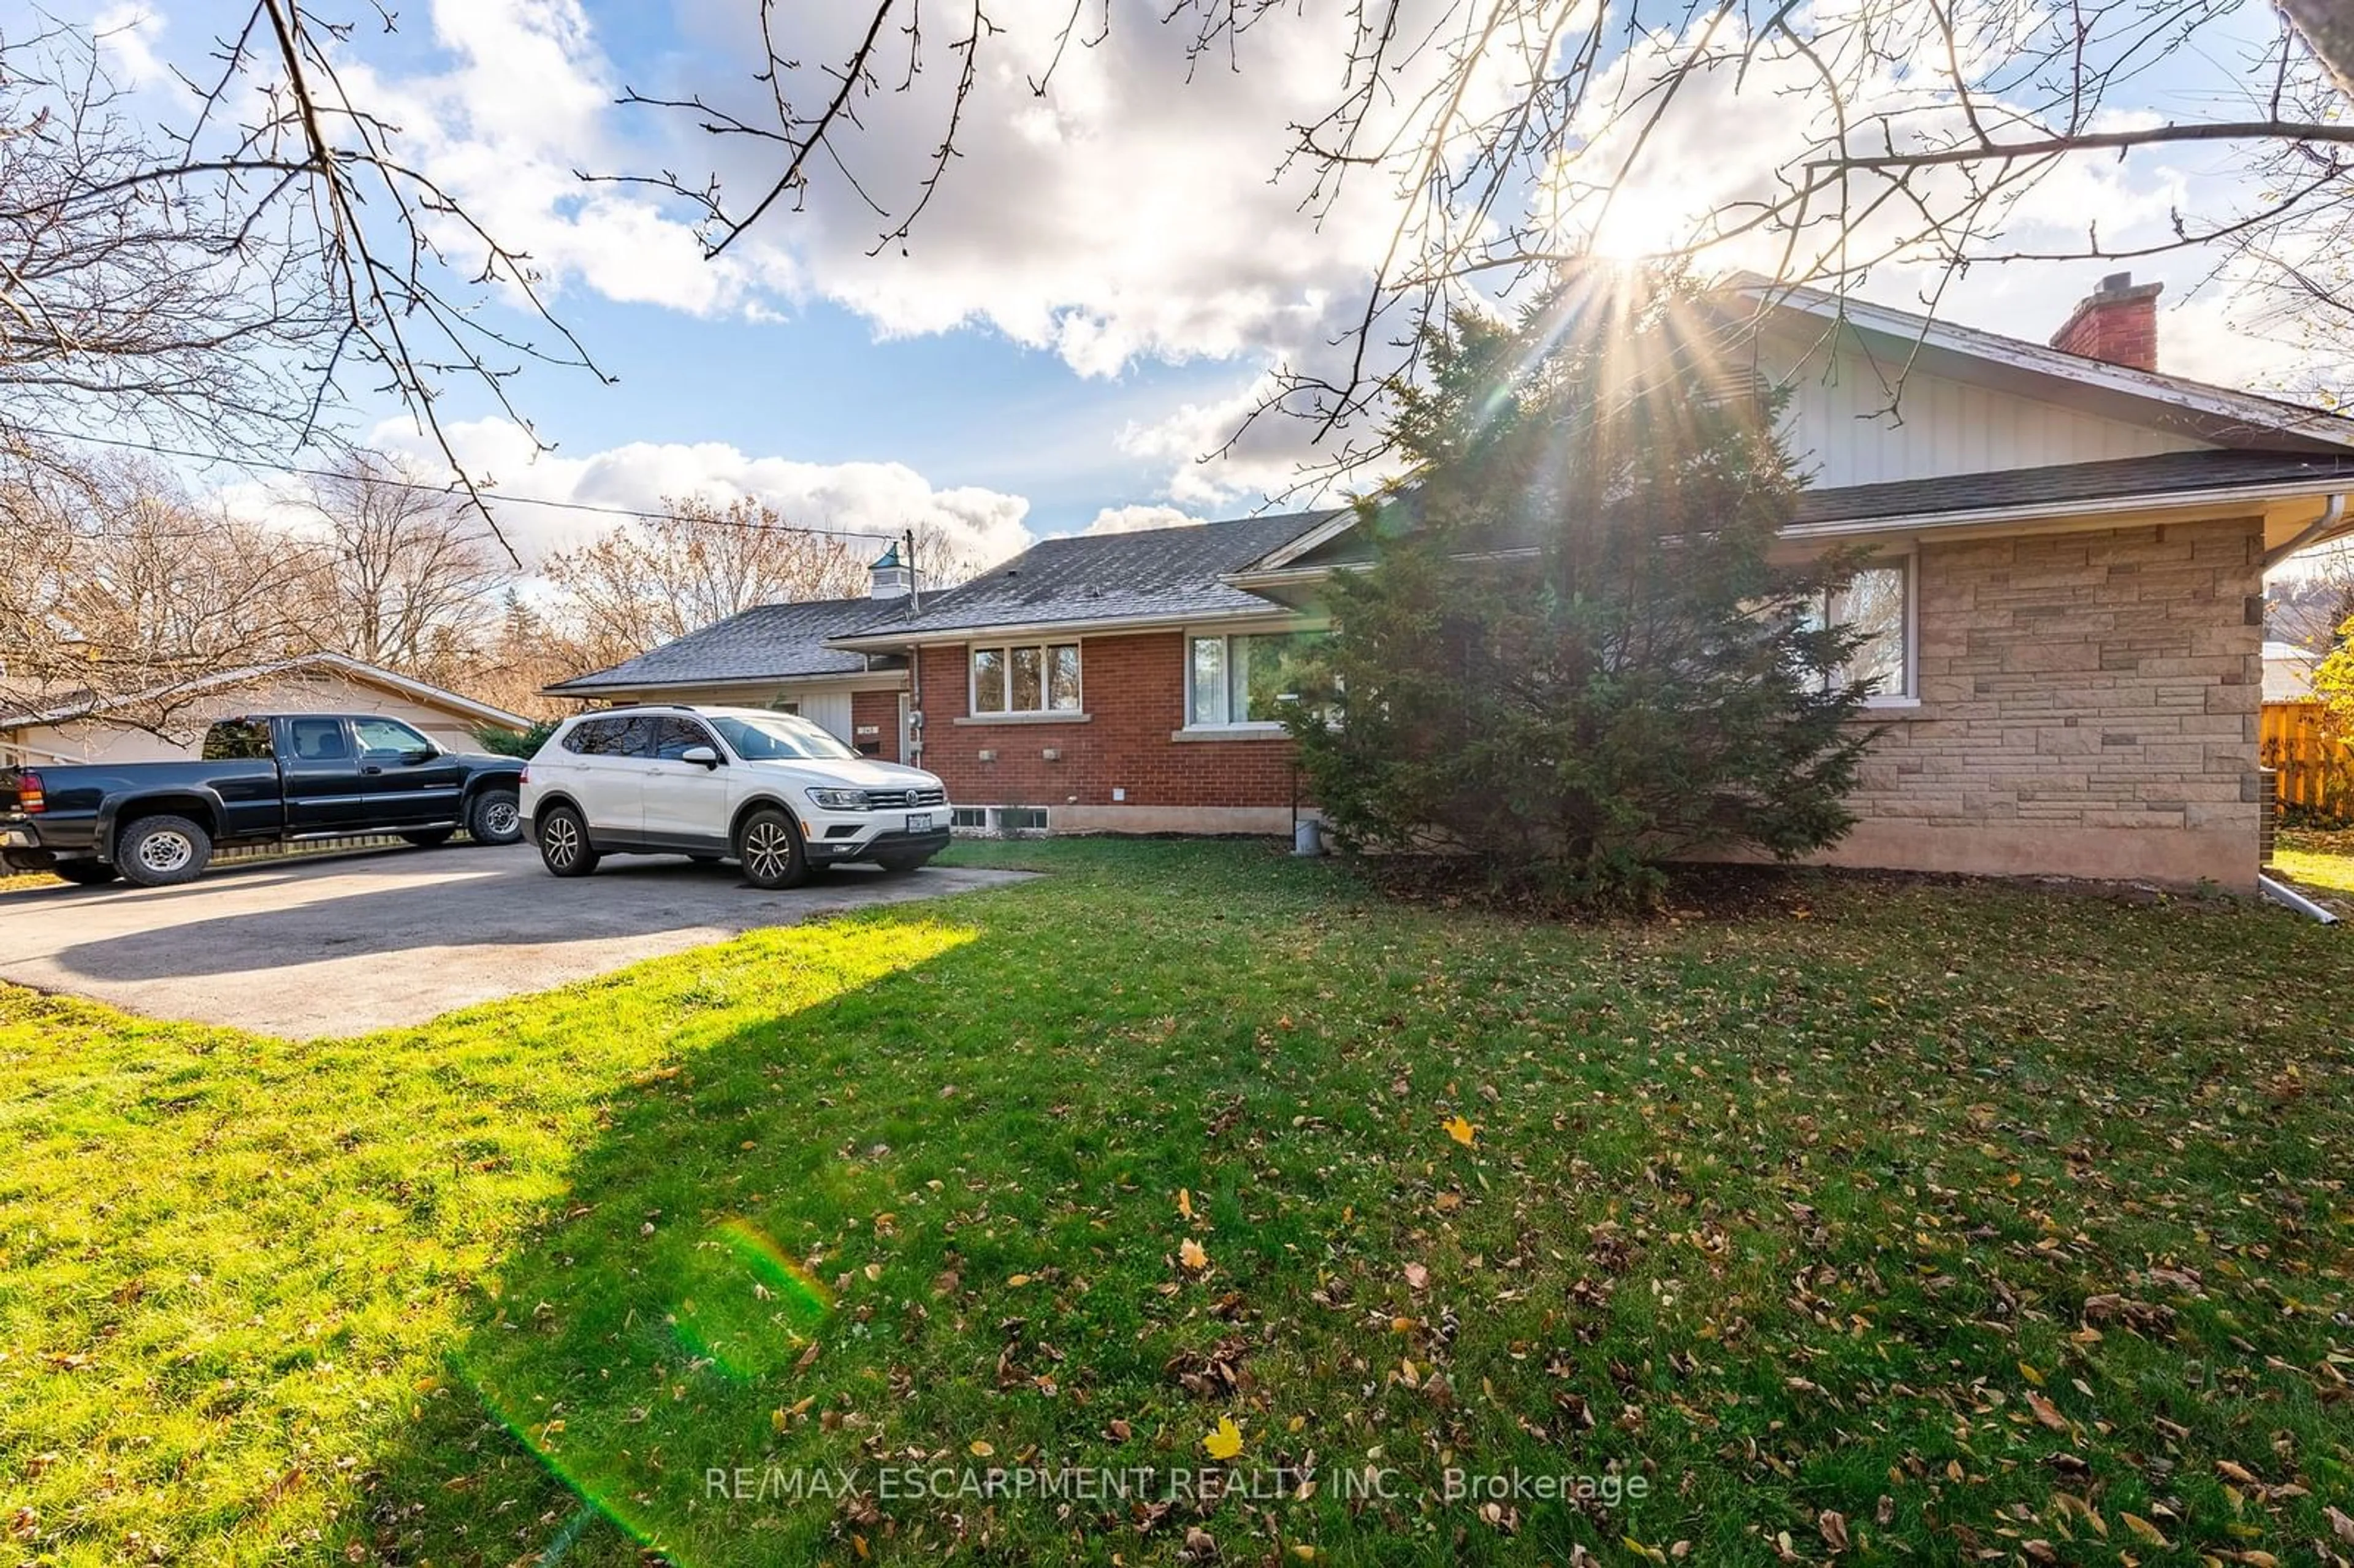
(1134, 690)
(879, 710)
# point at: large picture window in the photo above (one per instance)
(1026, 678)
(1879, 604)
(1244, 678)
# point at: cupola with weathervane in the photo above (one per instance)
(892, 577)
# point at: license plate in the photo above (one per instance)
(919, 821)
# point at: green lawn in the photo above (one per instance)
(2319, 860)
(1954, 1223)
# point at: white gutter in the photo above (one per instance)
(2281, 894)
(2028, 512)
(2333, 514)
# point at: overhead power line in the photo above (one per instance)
(298, 469)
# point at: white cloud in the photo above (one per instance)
(1137, 519)
(126, 35)
(1133, 213)
(524, 104)
(877, 499)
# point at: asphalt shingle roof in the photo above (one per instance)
(1156, 574)
(771, 642)
(2065, 483)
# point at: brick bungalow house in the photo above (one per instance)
(2065, 606)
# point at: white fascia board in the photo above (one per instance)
(2039, 510)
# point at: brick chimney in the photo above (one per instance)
(2117, 323)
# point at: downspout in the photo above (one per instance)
(915, 758)
(2333, 514)
(2289, 898)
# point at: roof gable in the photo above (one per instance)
(87, 706)
(1846, 360)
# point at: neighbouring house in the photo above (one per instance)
(2066, 603)
(2288, 672)
(77, 729)
(2306, 747)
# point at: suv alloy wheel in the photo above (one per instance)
(770, 848)
(564, 845)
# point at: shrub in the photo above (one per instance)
(506, 743)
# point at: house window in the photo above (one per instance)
(1246, 678)
(1026, 678)
(1878, 603)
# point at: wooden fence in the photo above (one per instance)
(2311, 756)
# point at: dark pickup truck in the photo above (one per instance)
(266, 779)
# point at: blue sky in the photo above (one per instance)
(1086, 308)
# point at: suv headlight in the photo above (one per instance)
(839, 799)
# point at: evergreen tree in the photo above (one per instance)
(1579, 654)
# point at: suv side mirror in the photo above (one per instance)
(700, 754)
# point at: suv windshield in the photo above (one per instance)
(778, 738)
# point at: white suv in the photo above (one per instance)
(770, 789)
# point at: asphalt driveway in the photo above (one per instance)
(355, 943)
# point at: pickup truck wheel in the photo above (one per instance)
(770, 849)
(85, 873)
(564, 845)
(163, 851)
(431, 838)
(494, 818)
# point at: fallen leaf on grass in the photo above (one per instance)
(1185, 1202)
(2046, 1411)
(1226, 1442)
(1192, 1255)
(2143, 1528)
(1461, 1131)
(1418, 1277)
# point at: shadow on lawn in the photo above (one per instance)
(762, 1236)
(844, 1235)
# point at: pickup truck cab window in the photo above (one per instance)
(380, 736)
(237, 740)
(317, 740)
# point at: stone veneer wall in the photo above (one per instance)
(2089, 705)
